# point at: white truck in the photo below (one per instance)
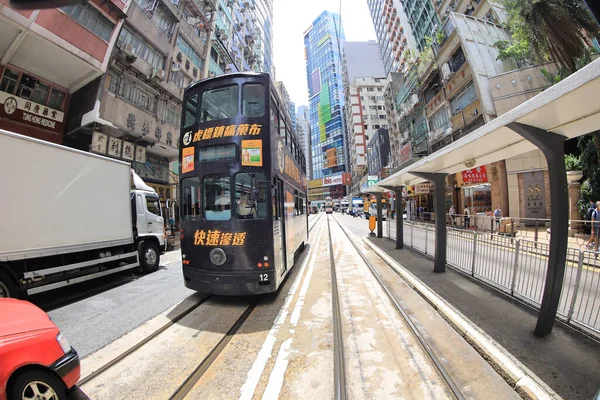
(71, 216)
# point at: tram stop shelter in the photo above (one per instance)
(566, 110)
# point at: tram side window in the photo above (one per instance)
(217, 197)
(253, 100)
(274, 118)
(251, 191)
(190, 199)
(220, 103)
(191, 107)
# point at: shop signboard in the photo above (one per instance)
(347, 178)
(23, 110)
(99, 142)
(372, 180)
(154, 168)
(333, 180)
(475, 175)
(422, 188)
(533, 184)
(406, 153)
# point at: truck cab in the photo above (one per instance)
(148, 219)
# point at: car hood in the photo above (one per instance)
(17, 316)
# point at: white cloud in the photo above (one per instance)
(292, 17)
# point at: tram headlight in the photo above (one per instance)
(217, 256)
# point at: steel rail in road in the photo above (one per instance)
(140, 344)
(205, 364)
(316, 220)
(339, 368)
(414, 330)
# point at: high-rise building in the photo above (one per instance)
(364, 107)
(47, 57)
(292, 107)
(394, 33)
(243, 37)
(285, 99)
(322, 44)
(303, 134)
(423, 19)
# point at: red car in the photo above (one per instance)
(36, 361)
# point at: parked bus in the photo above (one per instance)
(243, 207)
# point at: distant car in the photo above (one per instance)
(37, 361)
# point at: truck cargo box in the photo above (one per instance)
(57, 200)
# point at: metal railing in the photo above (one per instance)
(517, 267)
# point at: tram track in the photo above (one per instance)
(339, 367)
(315, 223)
(96, 373)
(446, 377)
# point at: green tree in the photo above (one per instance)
(547, 30)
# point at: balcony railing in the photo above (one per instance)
(466, 116)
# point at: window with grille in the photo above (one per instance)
(141, 48)
(90, 17)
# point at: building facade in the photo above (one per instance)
(325, 89)
(378, 153)
(303, 134)
(47, 56)
(394, 33)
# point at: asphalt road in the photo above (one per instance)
(92, 322)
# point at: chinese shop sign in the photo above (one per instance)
(475, 175)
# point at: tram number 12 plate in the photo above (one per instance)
(264, 277)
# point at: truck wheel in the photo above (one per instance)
(35, 384)
(149, 256)
(7, 286)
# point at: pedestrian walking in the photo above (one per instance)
(467, 217)
(596, 226)
(498, 217)
(590, 212)
(452, 213)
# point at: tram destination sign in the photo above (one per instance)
(221, 131)
(214, 237)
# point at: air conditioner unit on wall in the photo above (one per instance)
(158, 73)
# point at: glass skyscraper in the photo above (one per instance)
(326, 95)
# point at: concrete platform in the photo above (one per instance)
(566, 360)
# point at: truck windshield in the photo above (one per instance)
(153, 205)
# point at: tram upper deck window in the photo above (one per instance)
(251, 195)
(219, 103)
(218, 153)
(217, 197)
(190, 199)
(253, 100)
(191, 108)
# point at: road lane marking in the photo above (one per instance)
(276, 378)
(247, 390)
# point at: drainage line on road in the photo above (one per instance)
(415, 331)
(133, 349)
(195, 376)
(338, 339)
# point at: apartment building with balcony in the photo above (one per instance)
(394, 33)
(47, 57)
(364, 81)
(242, 39)
(133, 111)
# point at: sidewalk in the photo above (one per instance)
(566, 360)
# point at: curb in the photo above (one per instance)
(517, 375)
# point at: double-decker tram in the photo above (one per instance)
(328, 206)
(243, 205)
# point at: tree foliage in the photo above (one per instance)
(547, 30)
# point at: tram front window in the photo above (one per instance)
(251, 195)
(220, 103)
(190, 202)
(217, 197)
(253, 100)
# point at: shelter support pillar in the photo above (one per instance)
(399, 218)
(439, 188)
(379, 215)
(553, 147)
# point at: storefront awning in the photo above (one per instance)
(569, 108)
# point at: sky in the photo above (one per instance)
(291, 18)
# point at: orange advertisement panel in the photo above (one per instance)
(252, 153)
(331, 157)
(187, 162)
